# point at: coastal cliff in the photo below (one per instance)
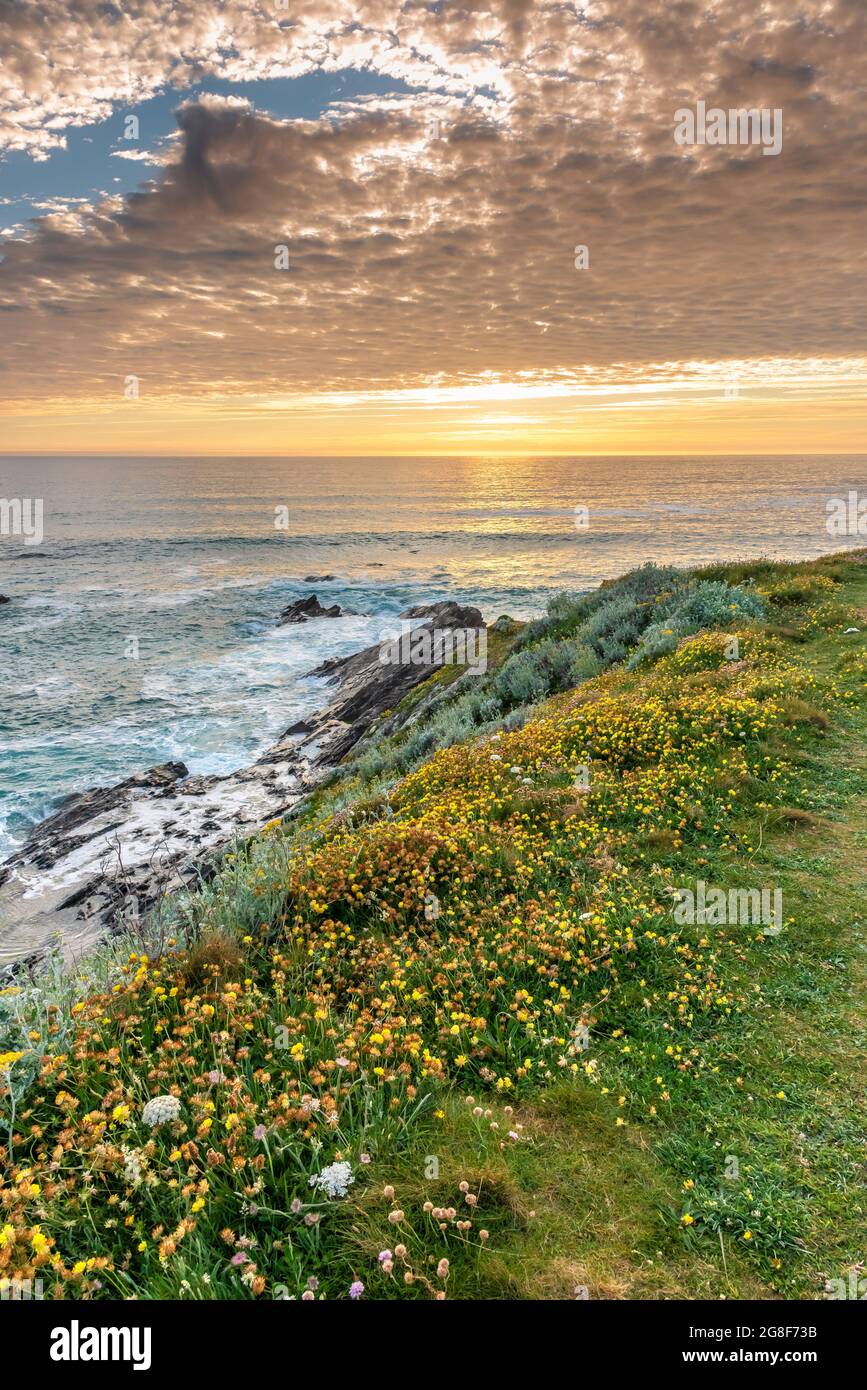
(501, 1009)
(109, 853)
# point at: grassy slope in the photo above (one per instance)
(586, 1179)
(608, 1207)
(607, 1203)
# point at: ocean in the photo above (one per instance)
(142, 622)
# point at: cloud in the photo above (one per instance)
(141, 156)
(411, 257)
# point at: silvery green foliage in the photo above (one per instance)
(708, 604)
(544, 669)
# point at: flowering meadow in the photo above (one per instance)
(328, 1079)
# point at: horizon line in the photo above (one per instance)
(487, 453)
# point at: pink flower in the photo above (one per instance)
(356, 1289)
(259, 1132)
(384, 1255)
(240, 1258)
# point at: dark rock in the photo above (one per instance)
(4, 599)
(368, 685)
(318, 579)
(305, 608)
(445, 614)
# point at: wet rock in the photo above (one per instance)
(368, 685)
(302, 726)
(303, 609)
(79, 814)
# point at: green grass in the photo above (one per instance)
(801, 1190)
(607, 1211)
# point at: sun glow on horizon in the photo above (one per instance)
(779, 405)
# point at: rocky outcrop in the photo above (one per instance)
(303, 609)
(107, 855)
(5, 599)
(367, 684)
(82, 815)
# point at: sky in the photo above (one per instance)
(330, 228)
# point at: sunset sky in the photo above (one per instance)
(430, 169)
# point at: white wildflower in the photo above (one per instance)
(335, 1180)
(132, 1167)
(161, 1110)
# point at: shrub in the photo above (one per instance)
(708, 604)
(370, 764)
(712, 603)
(521, 678)
(568, 614)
